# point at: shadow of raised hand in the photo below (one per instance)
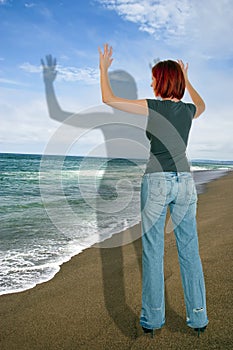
(49, 68)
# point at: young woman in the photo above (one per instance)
(167, 182)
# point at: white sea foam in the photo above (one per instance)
(198, 168)
(20, 274)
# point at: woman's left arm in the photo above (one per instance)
(108, 97)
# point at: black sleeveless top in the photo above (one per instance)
(168, 129)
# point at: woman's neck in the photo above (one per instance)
(171, 99)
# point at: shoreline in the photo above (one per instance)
(94, 301)
(201, 177)
(210, 175)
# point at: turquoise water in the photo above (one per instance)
(52, 208)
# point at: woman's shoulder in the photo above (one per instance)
(158, 103)
(191, 107)
(153, 102)
(169, 105)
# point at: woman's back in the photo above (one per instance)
(168, 129)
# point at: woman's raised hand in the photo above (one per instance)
(105, 57)
(49, 68)
(184, 69)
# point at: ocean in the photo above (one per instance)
(52, 208)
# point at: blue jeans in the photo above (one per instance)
(176, 190)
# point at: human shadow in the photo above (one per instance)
(174, 322)
(124, 140)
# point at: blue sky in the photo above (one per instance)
(199, 32)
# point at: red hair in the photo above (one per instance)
(169, 79)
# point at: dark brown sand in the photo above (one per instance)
(94, 301)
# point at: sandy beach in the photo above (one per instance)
(94, 301)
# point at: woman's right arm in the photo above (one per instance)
(196, 98)
(108, 97)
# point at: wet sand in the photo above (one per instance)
(94, 301)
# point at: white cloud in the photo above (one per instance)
(204, 25)
(41, 9)
(11, 82)
(3, 2)
(30, 68)
(29, 4)
(210, 138)
(88, 75)
(27, 128)
(158, 18)
(64, 57)
(24, 120)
